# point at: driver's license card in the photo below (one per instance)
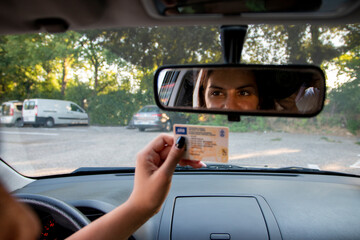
(204, 143)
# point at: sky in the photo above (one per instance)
(333, 78)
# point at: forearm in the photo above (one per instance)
(154, 169)
(118, 224)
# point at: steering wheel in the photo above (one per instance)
(69, 216)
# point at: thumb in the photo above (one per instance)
(174, 156)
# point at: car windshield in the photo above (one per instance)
(83, 93)
(149, 109)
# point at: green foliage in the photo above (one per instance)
(345, 98)
(247, 124)
(193, 118)
(353, 125)
(327, 119)
(155, 46)
(114, 108)
(80, 93)
(145, 94)
(30, 64)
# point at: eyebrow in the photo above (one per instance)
(241, 87)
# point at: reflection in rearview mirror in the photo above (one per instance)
(251, 89)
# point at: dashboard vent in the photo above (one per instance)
(91, 213)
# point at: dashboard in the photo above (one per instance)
(52, 229)
(215, 205)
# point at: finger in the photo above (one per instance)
(152, 156)
(160, 142)
(147, 161)
(174, 156)
(165, 152)
(194, 164)
(161, 156)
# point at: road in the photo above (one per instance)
(46, 151)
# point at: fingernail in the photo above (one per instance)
(203, 164)
(180, 143)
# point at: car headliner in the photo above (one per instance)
(21, 16)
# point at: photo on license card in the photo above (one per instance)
(204, 143)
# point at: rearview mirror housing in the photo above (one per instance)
(257, 90)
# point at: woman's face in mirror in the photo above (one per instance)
(233, 89)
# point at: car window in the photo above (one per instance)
(75, 108)
(120, 85)
(167, 86)
(29, 105)
(144, 110)
(153, 109)
(5, 109)
(19, 107)
(149, 109)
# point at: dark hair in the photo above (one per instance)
(204, 78)
(266, 102)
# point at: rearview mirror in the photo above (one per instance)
(290, 90)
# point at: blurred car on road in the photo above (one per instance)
(152, 117)
(11, 113)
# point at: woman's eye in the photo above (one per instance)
(216, 93)
(244, 93)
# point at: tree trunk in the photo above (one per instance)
(297, 55)
(316, 57)
(96, 76)
(333, 109)
(64, 79)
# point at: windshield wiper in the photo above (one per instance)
(295, 169)
(212, 167)
(299, 169)
(235, 168)
(100, 170)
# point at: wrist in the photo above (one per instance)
(140, 207)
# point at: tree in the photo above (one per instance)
(31, 64)
(149, 48)
(98, 58)
(67, 52)
(152, 47)
(346, 97)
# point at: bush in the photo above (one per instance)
(115, 108)
(246, 124)
(353, 125)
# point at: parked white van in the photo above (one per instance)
(50, 112)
